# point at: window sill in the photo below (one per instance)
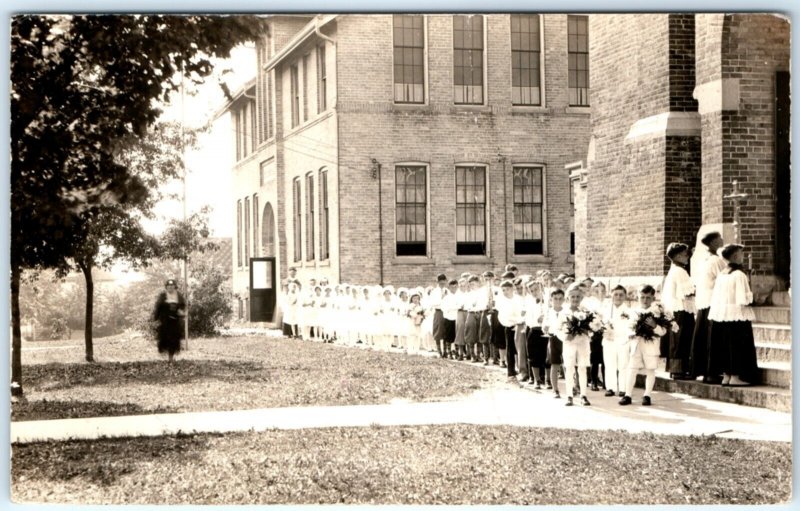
(585, 110)
(411, 107)
(412, 260)
(532, 109)
(472, 108)
(472, 260)
(532, 258)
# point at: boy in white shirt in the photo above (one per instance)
(450, 304)
(644, 353)
(554, 346)
(615, 343)
(510, 314)
(677, 296)
(576, 347)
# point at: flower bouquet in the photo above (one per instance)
(580, 322)
(640, 326)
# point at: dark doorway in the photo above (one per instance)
(782, 175)
(262, 289)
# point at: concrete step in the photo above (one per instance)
(781, 298)
(776, 374)
(780, 315)
(772, 333)
(773, 352)
(762, 396)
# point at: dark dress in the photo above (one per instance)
(680, 344)
(170, 324)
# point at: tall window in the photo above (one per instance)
(239, 232)
(309, 217)
(528, 210)
(261, 87)
(525, 60)
(322, 79)
(324, 223)
(468, 60)
(411, 210)
(470, 210)
(298, 247)
(244, 125)
(306, 59)
(294, 90)
(572, 184)
(409, 65)
(255, 225)
(578, 48)
(246, 231)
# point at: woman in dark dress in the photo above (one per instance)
(168, 313)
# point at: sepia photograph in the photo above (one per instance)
(400, 258)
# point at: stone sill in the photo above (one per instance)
(585, 110)
(472, 260)
(483, 109)
(522, 109)
(412, 107)
(412, 261)
(536, 259)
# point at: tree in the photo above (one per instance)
(80, 87)
(115, 232)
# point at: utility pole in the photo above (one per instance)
(185, 261)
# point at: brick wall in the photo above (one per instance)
(643, 190)
(738, 143)
(442, 135)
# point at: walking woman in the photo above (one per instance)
(168, 313)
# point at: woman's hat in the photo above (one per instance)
(170, 282)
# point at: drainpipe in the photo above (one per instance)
(502, 158)
(376, 169)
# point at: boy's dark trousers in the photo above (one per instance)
(511, 350)
(537, 355)
(596, 360)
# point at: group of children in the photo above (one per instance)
(533, 325)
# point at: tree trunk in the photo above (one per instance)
(16, 335)
(87, 331)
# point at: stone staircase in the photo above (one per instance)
(773, 336)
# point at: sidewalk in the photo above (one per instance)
(671, 414)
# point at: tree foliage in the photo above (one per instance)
(81, 88)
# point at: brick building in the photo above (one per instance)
(683, 105)
(381, 148)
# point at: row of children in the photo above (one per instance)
(522, 323)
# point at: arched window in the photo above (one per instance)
(268, 232)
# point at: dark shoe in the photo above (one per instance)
(621, 394)
(609, 393)
(646, 401)
(557, 395)
(585, 402)
(569, 402)
(549, 386)
(595, 388)
(626, 400)
(496, 362)
(486, 362)
(526, 378)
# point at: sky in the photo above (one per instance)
(208, 179)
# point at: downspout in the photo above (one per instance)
(505, 207)
(377, 168)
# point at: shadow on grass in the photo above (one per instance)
(102, 461)
(49, 409)
(56, 376)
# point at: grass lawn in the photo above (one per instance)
(227, 373)
(455, 464)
